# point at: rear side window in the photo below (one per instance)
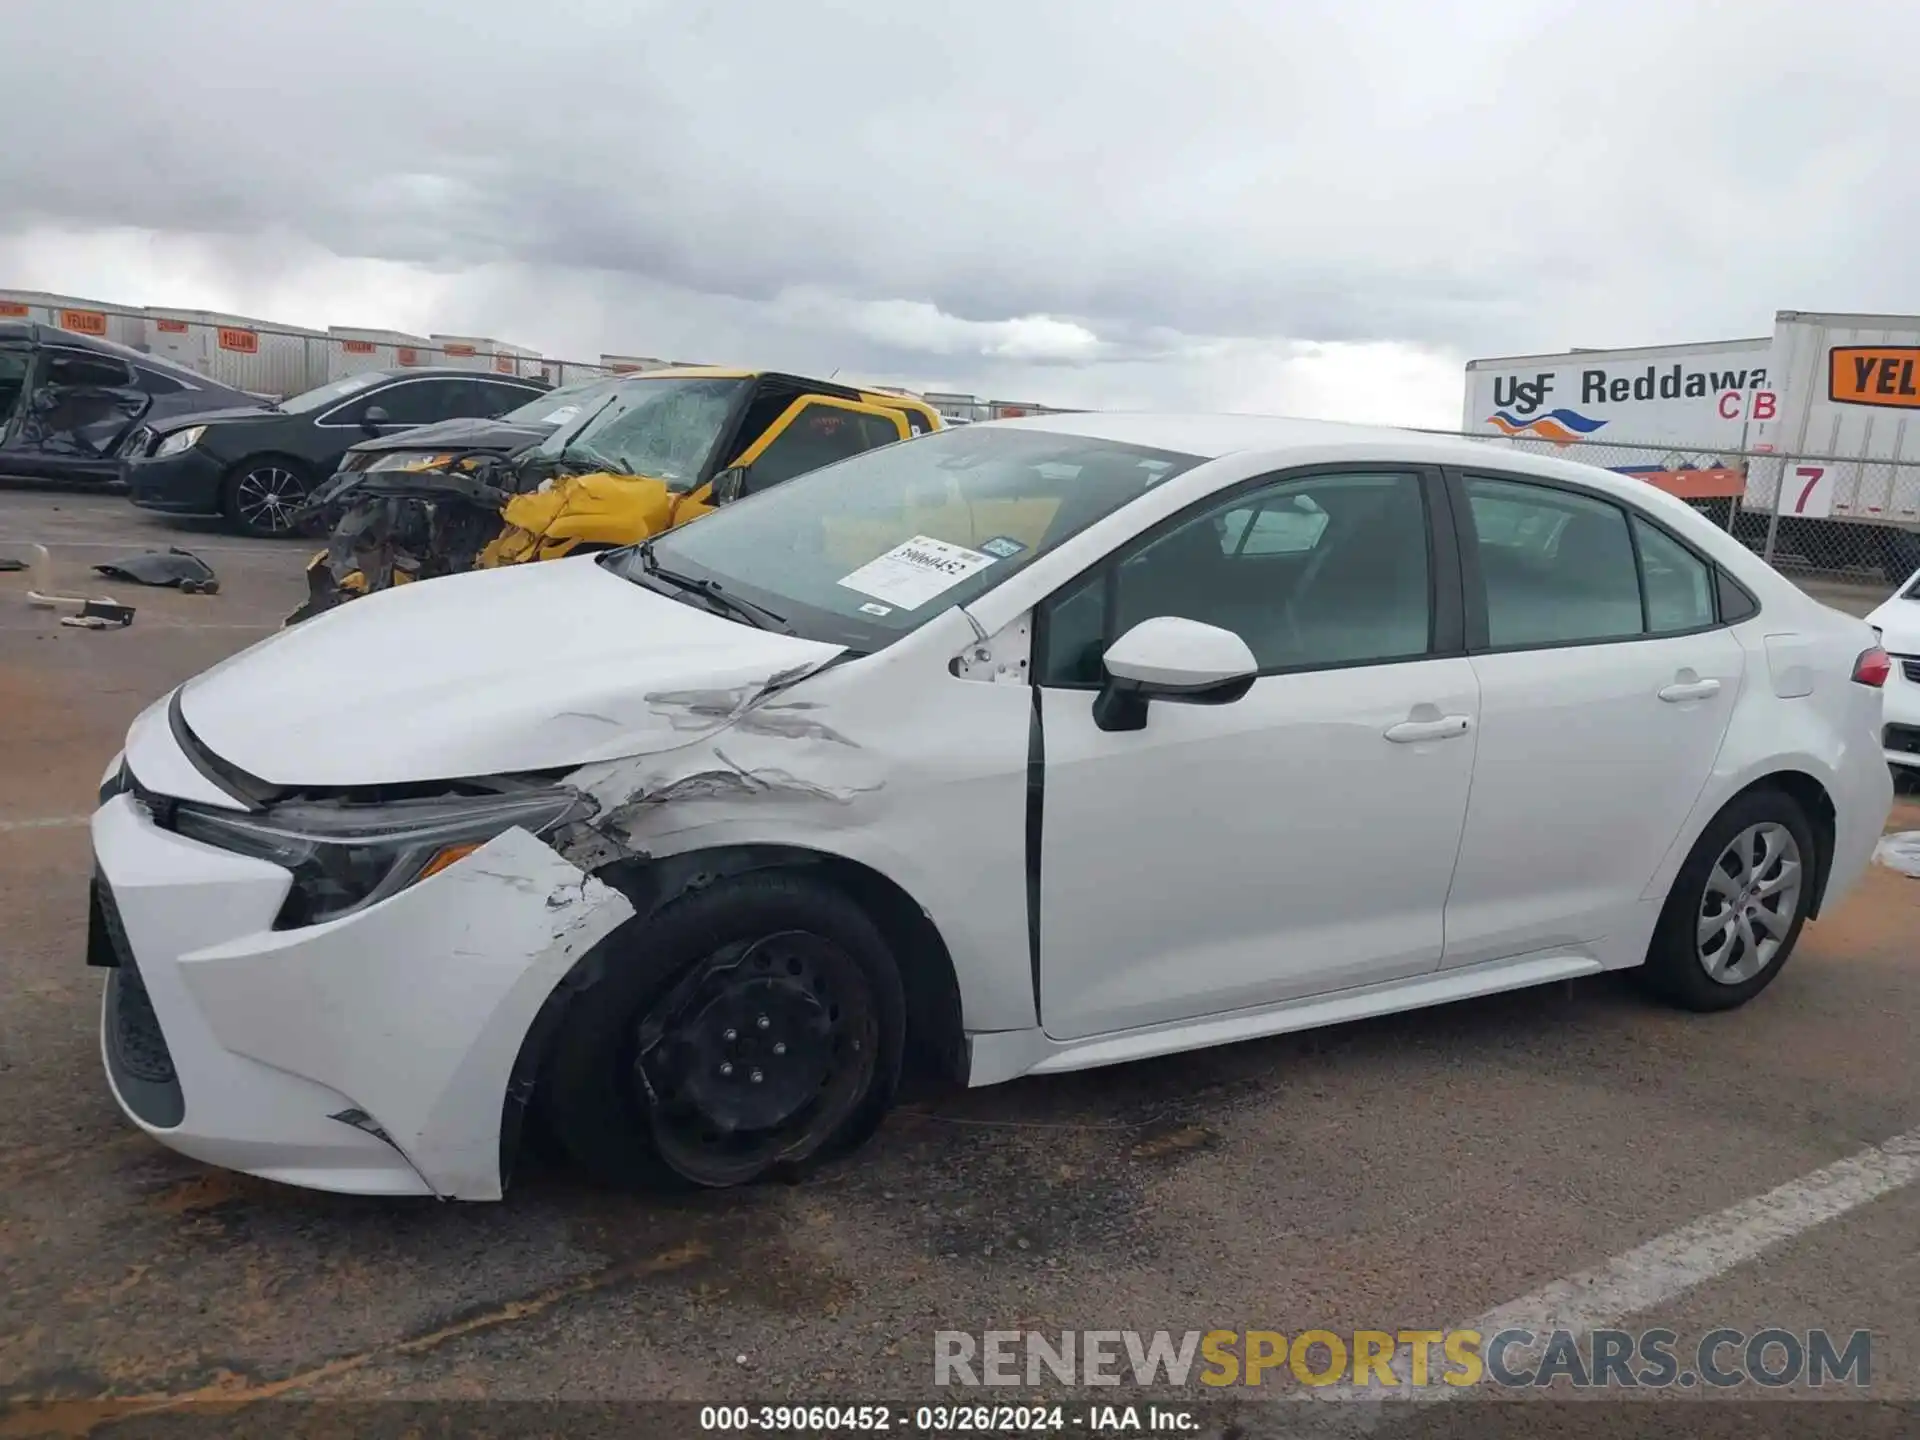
(1558, 567)
(154, 383)
(1679, 584)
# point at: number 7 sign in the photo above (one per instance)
(1809, 491)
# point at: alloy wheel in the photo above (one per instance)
(1748, 907)
(266, 498)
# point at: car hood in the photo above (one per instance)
(497, 435)
(529, 667)
(230, 415)
(1899, 624)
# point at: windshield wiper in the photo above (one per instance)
(758, 616)
(577, 454)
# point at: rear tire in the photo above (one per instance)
(750, 1029)
(261, 493)
(1735, 910)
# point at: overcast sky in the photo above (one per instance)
(1303, 206)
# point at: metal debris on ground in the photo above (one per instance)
(172, 566)
(100, 615)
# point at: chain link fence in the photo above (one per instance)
(1827, 518)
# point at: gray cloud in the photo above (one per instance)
(978, 190)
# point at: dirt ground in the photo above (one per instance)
(1407, 1172)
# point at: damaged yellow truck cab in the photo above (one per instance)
(665, 447)
(818, 424)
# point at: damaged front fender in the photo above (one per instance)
(417, 1010)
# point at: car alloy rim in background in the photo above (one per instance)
(267, 496)
(758, 1056)
(1751, 899)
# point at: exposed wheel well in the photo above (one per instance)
(936, 1043)
(1818, 807)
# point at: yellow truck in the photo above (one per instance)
(661, 448)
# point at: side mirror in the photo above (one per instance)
(374, 417)
(1170, 658)
(730, 484)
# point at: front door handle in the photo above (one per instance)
(1447, 727)
(1682, 690)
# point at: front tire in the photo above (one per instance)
(750, 1028)
(1735, 910)
(261, 495)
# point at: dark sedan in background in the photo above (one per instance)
(67, 402)
(504, 436)
(258, 467)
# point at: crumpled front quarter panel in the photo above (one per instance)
(598, 509)
(417, 1008)
(891, 762)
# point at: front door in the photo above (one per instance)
(1298, 840)
(1605, 680)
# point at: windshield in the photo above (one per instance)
(666, 429)
(323, 395)
(563, 403)
(866, 550)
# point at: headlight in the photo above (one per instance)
(347, 856)
(409, 460)
(180, 440)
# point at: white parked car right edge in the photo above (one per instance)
(1897, 623)
(1022, 747)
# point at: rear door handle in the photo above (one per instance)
(1447, 727)
(1689, 690)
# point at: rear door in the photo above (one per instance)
(77, 409)
(1606, 685)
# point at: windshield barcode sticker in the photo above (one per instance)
(915, 571)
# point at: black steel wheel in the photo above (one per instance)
(749, 1029)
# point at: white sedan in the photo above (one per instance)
(1011, 749)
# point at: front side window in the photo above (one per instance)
(155, 382)
(1312, 572)
(491, 397)
(417, 402)
(330, 393)
(864, 551)
(1558, 566)
(664, 429)
(818, 436)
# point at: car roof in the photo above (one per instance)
(34, 333)
(401, 372)
(1283, 441)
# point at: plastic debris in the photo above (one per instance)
(1900, 851)
(172, 566)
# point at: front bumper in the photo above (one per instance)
(183, 484)
(370, 1054)
(1900, 735)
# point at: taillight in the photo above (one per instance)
(1872, 668)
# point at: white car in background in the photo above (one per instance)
(1897, 623)
(1019, 747)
